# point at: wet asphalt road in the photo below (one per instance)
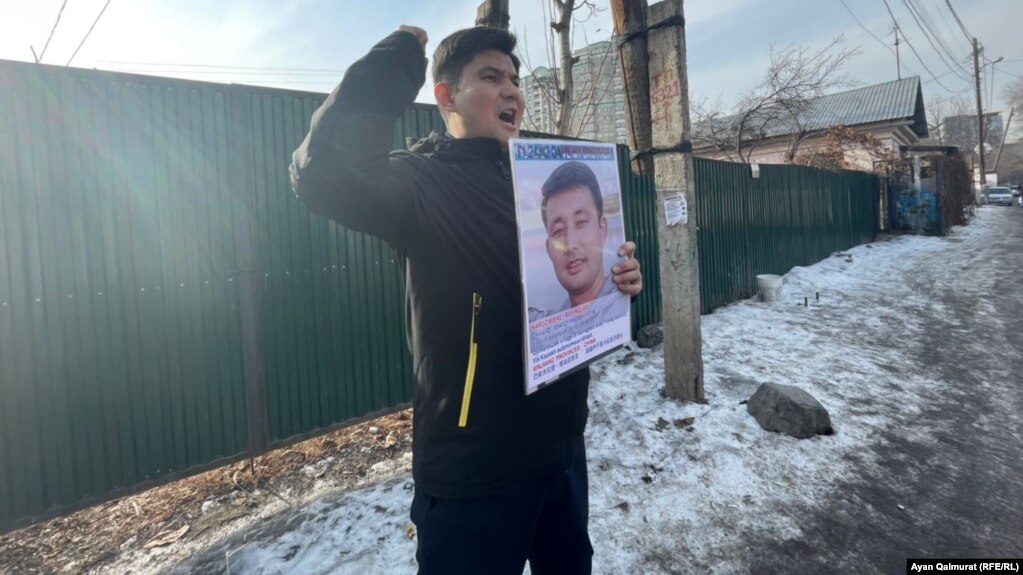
(947, 482)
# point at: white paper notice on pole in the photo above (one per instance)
(571, 226)
(676, 211)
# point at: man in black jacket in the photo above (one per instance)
(500, 476)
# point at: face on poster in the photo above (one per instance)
(571, 226)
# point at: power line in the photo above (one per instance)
(880, 41)
(925, 16)
(872, 35)
(936, 5)
(929, 26)
(923, 26)
(1013, 75)
(219, 66)
(270, 73)
(911, 47)
(969, 37)
(953, 94)
(52, 30)
(962, 92)
(328, 85)
(986, 82)
(942, 75)
(948, 26)
(991, 85)
(940, 47)
(82, 43)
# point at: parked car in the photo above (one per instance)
(999, 195)
(1016, 191)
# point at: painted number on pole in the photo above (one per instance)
(676, 211)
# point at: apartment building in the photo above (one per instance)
(599, 96)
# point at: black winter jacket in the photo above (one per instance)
(447, 208)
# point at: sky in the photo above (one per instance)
(711, 494)
(307, 44)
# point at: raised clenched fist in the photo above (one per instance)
(419, 33)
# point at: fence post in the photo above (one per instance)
(240, 173)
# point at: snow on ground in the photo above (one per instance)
(661, 489)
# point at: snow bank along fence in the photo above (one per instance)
(167, 306)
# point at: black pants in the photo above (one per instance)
(544, 521)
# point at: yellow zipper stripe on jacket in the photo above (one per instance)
(470, 373)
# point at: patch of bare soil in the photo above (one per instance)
(180, 512)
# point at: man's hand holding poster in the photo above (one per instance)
(571, 226)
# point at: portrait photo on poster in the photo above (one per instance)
(571, 226)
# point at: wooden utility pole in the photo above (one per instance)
(980, 119)
(493, 14)
(630, 29)
(671, 150)
(898, 63)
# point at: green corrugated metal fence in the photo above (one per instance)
(166, 304)
(639, 201)
(119, 339)
(789, 216)
(332, 315)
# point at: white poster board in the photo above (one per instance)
(569, 237)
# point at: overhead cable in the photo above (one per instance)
(82, 43)
(935, 42)
(969, 37)
(220, 66)
(872, 35)
(927, 14)
(52, 30)
(911, 47)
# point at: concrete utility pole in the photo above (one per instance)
(1001, 146)
(980, 119)
(493, 14)
(671, 150)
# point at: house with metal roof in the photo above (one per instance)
(892, 112)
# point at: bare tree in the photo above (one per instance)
(1014, 94)
(779, 104)
(561, 25)
(940, 108)
(713, 127)
(1010, 165)
(573, 105)
(839, 147)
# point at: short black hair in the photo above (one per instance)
(458, 49)
(567, 176)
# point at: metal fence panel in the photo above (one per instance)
(125, 201)
(166, 302)
(789, 216)
(120, 341)
(332, 299)
(639, 201)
